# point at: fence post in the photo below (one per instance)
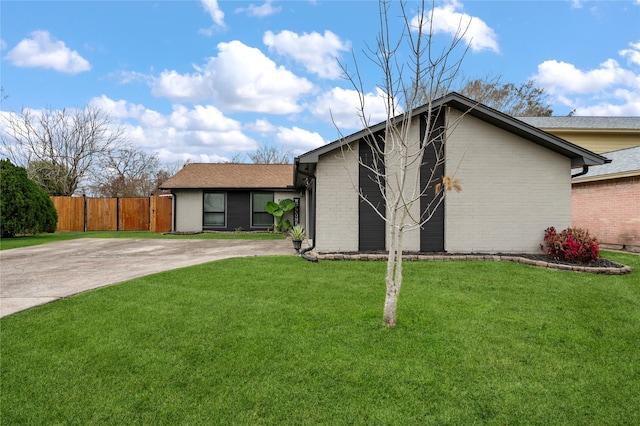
(84, 211)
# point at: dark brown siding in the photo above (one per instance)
(432, 233)
(238, 210)
(371, 234)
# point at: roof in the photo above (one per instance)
(624, 163)
(586, 123)
(579, 156)
(231, 175)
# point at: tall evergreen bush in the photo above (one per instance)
(24, 207)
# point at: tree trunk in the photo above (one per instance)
(394, 277)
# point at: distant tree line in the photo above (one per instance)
(80, 150)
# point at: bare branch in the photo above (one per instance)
(405, 157)
(60, 148)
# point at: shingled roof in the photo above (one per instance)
(624, 163)
(231, 175)
(582, 123)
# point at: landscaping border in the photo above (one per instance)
(621, 270)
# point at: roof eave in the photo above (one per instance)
(579, 156)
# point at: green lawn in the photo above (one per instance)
(32, 240)
(277, 340)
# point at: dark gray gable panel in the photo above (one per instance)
(238, 210)
(371, 227)
(432, 233)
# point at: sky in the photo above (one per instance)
(210, 80)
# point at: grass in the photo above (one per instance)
(277, 340)
(32, 240)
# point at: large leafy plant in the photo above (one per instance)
(277, 210)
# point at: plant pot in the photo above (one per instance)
(296, 245)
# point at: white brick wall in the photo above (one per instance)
(188, 210)
(279, 196)
(411, 240)
(337, 201)
(512, 189)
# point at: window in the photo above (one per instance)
(259, 216)
(214, 213)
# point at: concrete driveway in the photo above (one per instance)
(32, 276)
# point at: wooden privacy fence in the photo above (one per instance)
(113, 214)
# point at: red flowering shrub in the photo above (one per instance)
(573, 245)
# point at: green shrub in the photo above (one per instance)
(573, 245)
(24, 207)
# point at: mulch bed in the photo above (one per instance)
(599, 263)
(600, 266)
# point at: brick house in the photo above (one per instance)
(516, 182)
(606, 201)
(226, 197)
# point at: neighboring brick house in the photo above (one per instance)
(226, 197)
(516, 182)
(606, 201)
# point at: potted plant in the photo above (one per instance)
(297, 235)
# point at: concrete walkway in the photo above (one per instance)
(32, 276)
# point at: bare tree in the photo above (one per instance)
(267, 154)
(59, 148)
(400, 156)
(524, 100)
(128, 172)
(237, 158)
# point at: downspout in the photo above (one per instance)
(585, 170)
(173, 207)
(303, 252)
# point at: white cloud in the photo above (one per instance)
(213, 9)
(317, 52)
(126, 77)
(341, 106)
(201, 133)
(44, 51)
(576, 4)
(609, 89)
(267, 9)
(297, 141)
(261, 126)
(240, 78)
(562, 77)
(627, 103)
(447, 19)
(117, 109)
(633, 54)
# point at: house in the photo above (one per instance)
(516, 182)
(597, 134)
(227, 197)
(606, 200)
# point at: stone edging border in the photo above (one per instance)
(623, 269)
